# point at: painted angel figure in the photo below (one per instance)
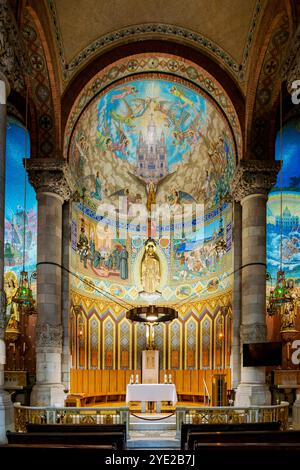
(151, 188)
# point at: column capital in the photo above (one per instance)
(51, 176)
(254, 177)
(253, 333)
(48, 336)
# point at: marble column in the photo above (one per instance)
(52, 182)
(235, 359)
(296, 411)
(252, 182)
(6, 407)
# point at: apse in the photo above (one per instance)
(149, 141)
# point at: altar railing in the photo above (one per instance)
(69, 415)
(232, 414)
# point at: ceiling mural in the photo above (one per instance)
(152, 142)
(182, 70)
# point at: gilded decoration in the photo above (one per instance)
(121, 342)
(3, 305)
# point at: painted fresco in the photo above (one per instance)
(288, 181)
(153, 131)
(147, 142)
(15, 212)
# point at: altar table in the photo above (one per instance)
(151, 392)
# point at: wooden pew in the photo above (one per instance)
(248, 456)
(246, 437)
(225, 427)
(9, 447)
(81, 428)
(72, 438)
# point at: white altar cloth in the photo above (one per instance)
(151, 392)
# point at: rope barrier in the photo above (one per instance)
(152, 419)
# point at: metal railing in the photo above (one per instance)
(120, 415)
(70, 415)
(232, 414)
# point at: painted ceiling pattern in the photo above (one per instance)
(138, 30)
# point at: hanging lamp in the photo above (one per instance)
(220, 247)
(283, 298)
(23, 296)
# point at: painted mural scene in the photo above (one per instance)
(145, 138)
(150, 229)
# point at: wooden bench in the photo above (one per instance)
(190, 396)
(79, 438)
(84, 399)
(81, 428)
(8, 447)
(225, 427)
(246, 456)
(246, 437)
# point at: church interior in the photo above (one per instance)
(150, 224)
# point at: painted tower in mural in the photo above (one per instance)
(151, 154)
(289, 222)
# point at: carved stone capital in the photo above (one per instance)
(253, 177)
(255, 333)
(48, 335)
(51, 176)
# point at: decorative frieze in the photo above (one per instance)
(52, 176)
(48, 335)
(12, 57)
(254, 177)
(254, 333)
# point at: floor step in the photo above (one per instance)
(153, 440)
(152, 427)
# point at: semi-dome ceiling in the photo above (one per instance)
(228, 24)
(152, 135)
